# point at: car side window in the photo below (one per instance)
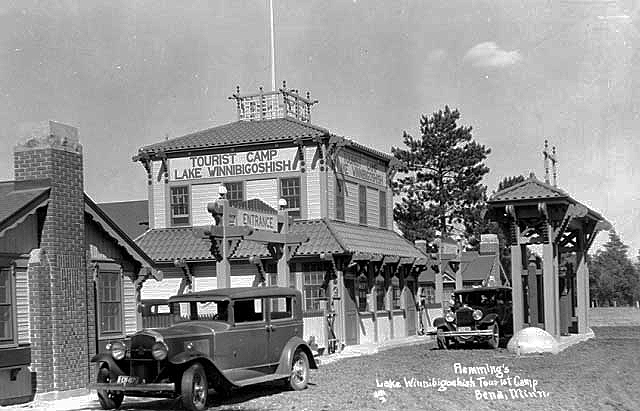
(248, 310)
(281, 308)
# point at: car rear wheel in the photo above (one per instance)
(299, 371)
(108, 399)
(194, 388)
(494, 340)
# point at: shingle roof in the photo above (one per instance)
(168, 244)
(240, 132)
(479, 268)
(19, 199)
(529, 189)
(131, 216)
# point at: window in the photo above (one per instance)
(110, 302)
(290, 191)
(382, 202)
(313, 290)
(281, 308)
(363, 290)
(179, 205)
(395, 293)
(248, 310)
(6, 305)
(362, 202)
(339, 200)
(235, 191)
(380, 293)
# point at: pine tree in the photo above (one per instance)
(612, 275)
(510, 181)
(440, 182)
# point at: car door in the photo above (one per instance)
(247, 340)
(282, 326)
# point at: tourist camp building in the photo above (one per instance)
(337, 195)
(68, 274)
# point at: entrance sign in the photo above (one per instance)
(255, 219)
(359, 167)
(244, 163)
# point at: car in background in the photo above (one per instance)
(219, 339)
(476, 315)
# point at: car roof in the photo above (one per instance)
(480, 289)
(236, 293)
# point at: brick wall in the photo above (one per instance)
(59, 280)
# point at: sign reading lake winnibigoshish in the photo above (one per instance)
(243, 163)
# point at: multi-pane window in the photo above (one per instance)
(290, 191)
(313, 290)
(430, 294)
(235, 191)
(363, 290)
(362, 204)
(395, 293)
(382, 203)
(179, 205)
(340, 200)
(6, 305)
(110, 302)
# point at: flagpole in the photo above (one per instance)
(273, 49)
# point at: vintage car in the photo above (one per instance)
(219, 339)
(482, 314)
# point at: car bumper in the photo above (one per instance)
(154, 387)
(467, 334)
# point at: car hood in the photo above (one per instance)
(190, 329)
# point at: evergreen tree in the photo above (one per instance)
(440, 182)
(612, 275)
(510, 181)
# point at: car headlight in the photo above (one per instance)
(477, 315)
(449, 317)
(159, 351)
(118, 350)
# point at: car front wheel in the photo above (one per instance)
(194, 388)
(108, 399)
(299, 371)
(494, 340)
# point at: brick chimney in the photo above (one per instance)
(58, 279)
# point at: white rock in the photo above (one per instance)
(533, 340)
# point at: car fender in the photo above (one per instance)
(105, 358)
(489, 319)
(186, 358)
(440, 322)
(287, 355)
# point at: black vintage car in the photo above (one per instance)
(482, 314)
(220, 339)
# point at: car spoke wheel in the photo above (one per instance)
(494, 341)
(108, 399)
(194, 388)
(299, 371)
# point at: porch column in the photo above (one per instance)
(516, 284)
(550, 281)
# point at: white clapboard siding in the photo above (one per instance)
(158, 197)
(201, 195)
(160, 289)
(266, 190)
(130, 306)
(204, 283)
(313, 194)
(22, 306)
(351, 212)
(373, 211)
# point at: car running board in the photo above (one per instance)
(258, 380)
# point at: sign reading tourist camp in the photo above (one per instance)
(359, 167)
(244, 163)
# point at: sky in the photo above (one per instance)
(132, 73)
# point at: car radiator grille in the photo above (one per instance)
(142, 364)
(464, 318)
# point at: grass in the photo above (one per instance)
(614, 316)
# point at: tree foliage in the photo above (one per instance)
(440, 181)
(612, 275)
(510, 181)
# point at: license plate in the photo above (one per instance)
(464, 328)
(125, 379)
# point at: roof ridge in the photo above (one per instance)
(339, 240)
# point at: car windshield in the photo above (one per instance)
(474, 299)
(200, 310)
